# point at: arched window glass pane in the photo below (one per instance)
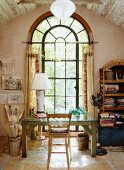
(53, 21)
(70, 51)
(83, 37)
(60, 32)
(71, 69)
(49, 68)
(70, 88)
(60, 49)
(70, 38)
(49, 52)
(50, 38)
(43, 26)
(37, 36)
(80, 52)
(76, 26)
(80, 69)
(60, 69)
(69, 22)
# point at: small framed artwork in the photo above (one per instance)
(11, 82)
(16, 98)
(8, 65)
(3, 98)
(120, 74)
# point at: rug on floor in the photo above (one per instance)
(81, 160)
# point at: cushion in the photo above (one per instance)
(59, 130)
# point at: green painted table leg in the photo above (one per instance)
(93, 138)
(24, 142)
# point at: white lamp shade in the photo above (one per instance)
(41, 82)
(62, 9)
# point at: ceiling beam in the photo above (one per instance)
(50, 1)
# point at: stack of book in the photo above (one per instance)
(107, 119)
(39, 115)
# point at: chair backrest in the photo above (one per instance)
(59, 121)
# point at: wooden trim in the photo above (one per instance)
(114, 62)
(47, 14)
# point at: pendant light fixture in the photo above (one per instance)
(62, 9)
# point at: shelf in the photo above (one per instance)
(112, 81)
(111, 132)
(113, 108)
(115, 126)
(114, 95)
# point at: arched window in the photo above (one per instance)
(66, 60)
(62, 59)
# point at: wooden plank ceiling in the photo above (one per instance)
(112, 10)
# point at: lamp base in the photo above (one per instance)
(40, 112)
(100, 151)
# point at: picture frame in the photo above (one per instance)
(11, 82)
(16, 98)
(8, 65)
(119, 74)
(3, 98)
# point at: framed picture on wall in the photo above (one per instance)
(16, 98)
(8, 65)
(3, 98)
(11, 82)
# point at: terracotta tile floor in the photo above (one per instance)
(81, 160)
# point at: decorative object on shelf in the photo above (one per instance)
(109, 75)
(11, 82)
(40, 83)
(120, 74)
(62, 9)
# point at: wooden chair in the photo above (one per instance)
(59, 127)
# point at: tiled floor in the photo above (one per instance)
(81, 160)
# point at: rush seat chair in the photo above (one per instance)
(59, 127)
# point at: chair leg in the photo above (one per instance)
(49, 152)
(69, 145)
(67, 155)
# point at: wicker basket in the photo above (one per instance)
(83, 141)
(14, 146)
(109, 75)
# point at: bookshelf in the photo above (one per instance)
(111, 117)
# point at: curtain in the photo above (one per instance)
(87, 78)
(34, 65)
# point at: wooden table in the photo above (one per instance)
(89, 124)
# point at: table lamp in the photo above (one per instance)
(40, 84)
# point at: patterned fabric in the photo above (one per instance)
(34, 65)
(59, 130)
(87, 77)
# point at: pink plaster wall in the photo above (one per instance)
(110, 40)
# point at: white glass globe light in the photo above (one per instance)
(62, 9)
